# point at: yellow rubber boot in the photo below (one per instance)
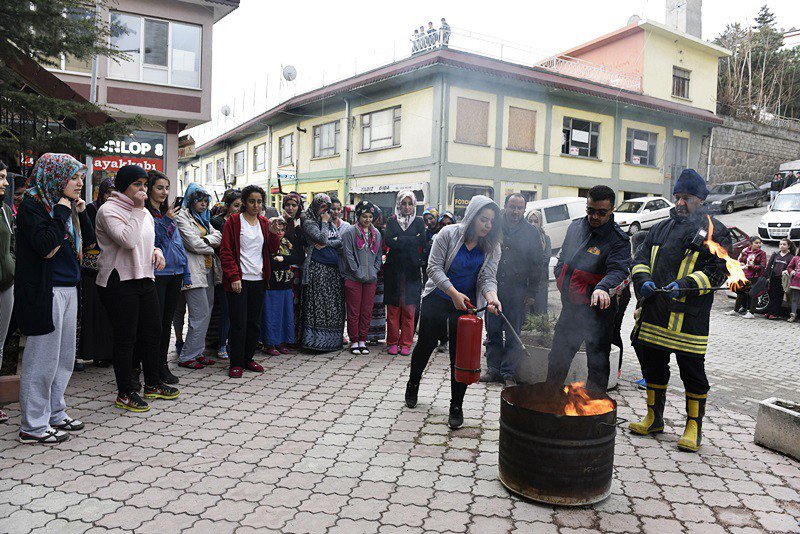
(653, 423)
(695, 410)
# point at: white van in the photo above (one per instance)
(783, 217)
(557, 214)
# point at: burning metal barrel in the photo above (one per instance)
(557, 443)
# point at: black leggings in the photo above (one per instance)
(168, 289)
(435, 316)
(132, 308)
(245, 313)
(775, 296)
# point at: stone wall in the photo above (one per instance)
(747, 151)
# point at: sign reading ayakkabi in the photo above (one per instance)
(145, 149)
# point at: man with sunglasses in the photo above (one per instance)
(594, 260)
(674, 256)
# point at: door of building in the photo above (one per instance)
(680, 159)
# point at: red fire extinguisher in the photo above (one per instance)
(468, 347)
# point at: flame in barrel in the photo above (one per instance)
(736, 278)
(578, 401)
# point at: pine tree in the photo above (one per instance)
(43, 31)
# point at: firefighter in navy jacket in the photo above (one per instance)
(594, 260)
(674, 256)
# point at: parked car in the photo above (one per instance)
(641, 213)
(783, 217)
(557, 214)
(729, 196)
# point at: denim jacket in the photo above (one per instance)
(168, 239)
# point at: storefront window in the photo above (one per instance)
(462, 195)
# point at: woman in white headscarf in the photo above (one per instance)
(405, 238)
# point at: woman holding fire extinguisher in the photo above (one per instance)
(462, 267)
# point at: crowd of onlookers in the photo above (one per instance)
(780, 182)
(777, 278)
(430, 37)
(110, 280)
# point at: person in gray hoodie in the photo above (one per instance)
(361, 250)
(462, 272)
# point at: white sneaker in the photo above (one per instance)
(748, 315)
(732, 313)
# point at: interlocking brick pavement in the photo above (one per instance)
(324, 443)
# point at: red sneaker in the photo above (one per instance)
(235, 372)
(283, 349)
(191, 364)
(253, 366)
(206, 361)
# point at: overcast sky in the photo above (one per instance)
(327, 40)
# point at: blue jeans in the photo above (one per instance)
(502, 355)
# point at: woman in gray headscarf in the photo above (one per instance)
(322, 308)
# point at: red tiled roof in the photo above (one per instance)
(475, 62)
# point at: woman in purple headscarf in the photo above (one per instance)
(95, 341)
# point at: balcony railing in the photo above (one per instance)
(580, 68)
(486, 45)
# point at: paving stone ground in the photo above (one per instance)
(324, 443)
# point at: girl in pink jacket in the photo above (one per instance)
(126, 235)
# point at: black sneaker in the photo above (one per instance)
(70, 425)
(51, 435)
(456, 418)
(166, 376)
(132, 402)
(161, 391)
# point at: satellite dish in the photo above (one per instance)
(634, 19)
(289, 73)
(226, 110)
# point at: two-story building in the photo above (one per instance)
(165, 77)
(449, 124)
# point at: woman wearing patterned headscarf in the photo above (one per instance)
(362, 251)
(51, 226)
(95, 340)
(405, 237)
(323, 293)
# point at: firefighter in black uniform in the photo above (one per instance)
(675, 257)
(594, 259)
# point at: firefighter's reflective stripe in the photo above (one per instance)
(702, 281)
(676, 318)
(673, 340)
(641, 268)
(653, 253)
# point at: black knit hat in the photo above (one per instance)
(126, 175)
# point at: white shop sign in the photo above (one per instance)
(640, 145)
(386, 188)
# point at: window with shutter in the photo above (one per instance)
(521, 129)
(472, 121)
